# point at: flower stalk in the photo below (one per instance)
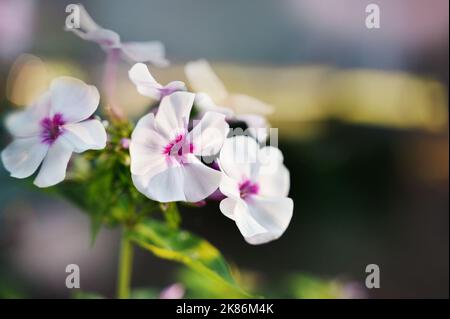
(125, 267)
(109, 85)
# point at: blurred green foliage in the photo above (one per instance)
(181, 246)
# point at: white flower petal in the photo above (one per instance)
(73, 98)
(147, 85)
(270, 155)
(151, 51)
(248, 226)
(146, 148)
(203, 79)
(145, 161)
(227, 206)
(22, 124)
(200, 181)
(275, 184)
(26, 123)
(238, 157)
(146, 133)
(53, 169)
(144, 81)
(91, 31)
(22, 157)
(244, 104)
(140, 75)
(273, 176)
(209, 134)
(173, 113)
(167, 186)
(229, 187)
(86, 135)
(273, 215)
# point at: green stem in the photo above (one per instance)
(125, 267)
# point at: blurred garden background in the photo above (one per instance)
(362, 116)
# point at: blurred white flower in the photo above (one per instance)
(146, 85)
(163, 152)
(147, 51)
(213, 96)
(256, 184)
(49, 130)
(174, 291)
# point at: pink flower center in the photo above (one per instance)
(178, 147)
(52, 128)
(248, 188)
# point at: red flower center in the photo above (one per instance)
(248, 188)
(178, 147)
(52, 128)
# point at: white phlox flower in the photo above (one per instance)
(256, 184)
(164, 163)
(145, 51)
(49, 130)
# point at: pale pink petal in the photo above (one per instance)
(73, 98)
(276, 184)
(270, 155)
(146, 148)
(246, 223)
(86, 135)
(22, 124)
(209, 134)
(145, 161)
(203, 79)
(238, 157)
(167, 186)
(53, 169)
(146, 133)
(144, 81)
(173, 114)
(227, 207)
(272, 214)
(26, 123)
(273, 176)
(200, 181)
(229, 187)
(175, 291)
(151, 51)
(22, 157)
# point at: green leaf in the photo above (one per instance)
(186, 248)
(80, 294)
(145, 293)
(309, 287)
(199, 287)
